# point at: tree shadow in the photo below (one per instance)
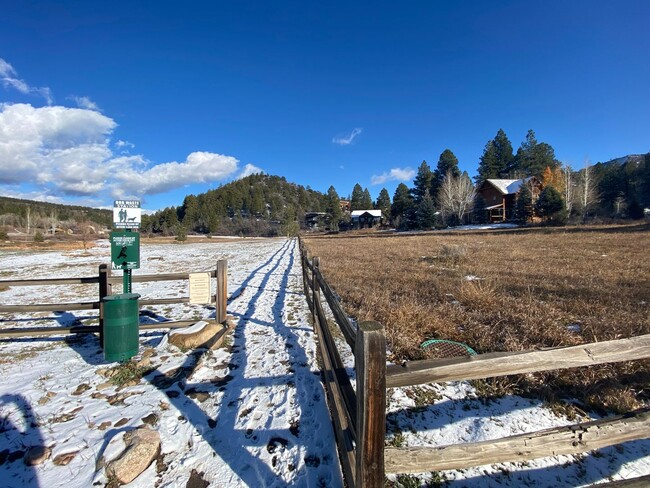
(16, 439)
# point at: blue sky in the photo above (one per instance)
(157, 100)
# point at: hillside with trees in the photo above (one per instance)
(30, 217)
(259, 205)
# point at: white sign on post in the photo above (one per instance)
(200, 289)
(127, 214)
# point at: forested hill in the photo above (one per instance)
(255, 205)
(29, 214)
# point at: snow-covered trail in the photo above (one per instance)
(272, 424)
(252, 415)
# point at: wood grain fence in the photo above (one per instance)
(105, 281)
(359, 417)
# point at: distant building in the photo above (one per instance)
(365, 218)
(345, 205)
(500, 196)
(315, 220)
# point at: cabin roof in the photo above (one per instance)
(359, 213)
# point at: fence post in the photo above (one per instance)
(370, 360)
(222, 290)
(306, 281)
(315, 288)
(104, 291)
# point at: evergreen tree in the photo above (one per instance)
(479, 212)
(402, 207)
(524, 204)
(356, 201)
(447, 163)
(533, 158)
(550, 206)
(367, 200)
(426, 212)
(497, 158)
(333, 208)
(383, 203)
(421, 182)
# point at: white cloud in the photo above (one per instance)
(248, 170)
(10, 79)
(199, 167)
(395, 174)
(60, 150)
(120, 144)
(86, 103)
(347, 139)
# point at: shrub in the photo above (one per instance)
(38, 237)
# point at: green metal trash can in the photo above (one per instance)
(121, 326)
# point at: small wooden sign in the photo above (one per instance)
(200, 289)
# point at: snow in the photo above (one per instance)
(359, 213)
(507, 187)
(254, 415)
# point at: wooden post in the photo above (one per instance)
(315, 288)
(104, 291)
(370, 359)
(306, 281)
(222, 290)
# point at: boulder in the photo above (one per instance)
(37, 455)
(142, 448)
(201, 334)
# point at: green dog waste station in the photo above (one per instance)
(121, 326)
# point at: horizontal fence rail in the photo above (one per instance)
(359, 417)
(507, 363)
(106, 282)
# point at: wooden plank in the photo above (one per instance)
(507, 363)
(342, 378)
(49, 307)
(159, 277)
(84, 329)
(104, 291)
(222, 290)
(90, 280)
(343, 431)
(339, 314)
(370, 358)
(164, 301)
(567, 440)
(641, 482)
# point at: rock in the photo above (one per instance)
(37, 455)
(142, 448)
(104, 425)
(83, 387)
(145, 362)
(121, 422)
(201, 396)
(64, 459)
(201, 334)
(149, 353)
(150, 419)
(103, 386)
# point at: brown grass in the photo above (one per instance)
(535, 288)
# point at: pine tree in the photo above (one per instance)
(367, 200)
(550, 206)
(402, 207)
(421, 182)
(447, 163)
(524, 204)
(333, 209)
(426, 212)
(533, 157)
(383, 203)
(497, 158)
(479, 212)
(356, 201)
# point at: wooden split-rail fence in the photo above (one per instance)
(359, 416)
(105, 281)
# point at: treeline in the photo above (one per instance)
(258, 204)
(31, 216)
(445, 196)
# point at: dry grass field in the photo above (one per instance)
(505, 290)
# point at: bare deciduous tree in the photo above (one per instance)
(569, 189)
(456, 196)
(588, 195)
